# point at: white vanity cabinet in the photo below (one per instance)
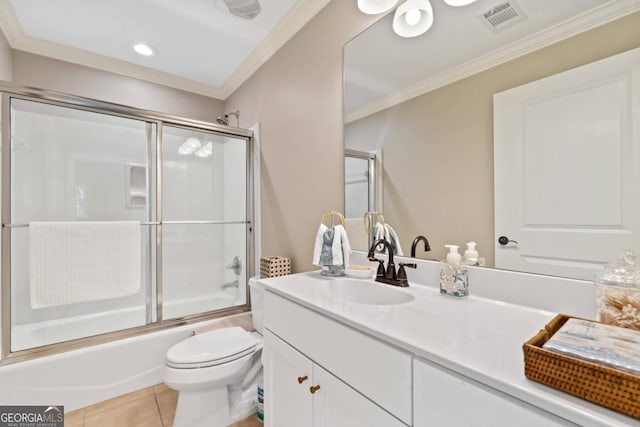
(299, 393)
(444, 398)
(362, 382)
(288, 374)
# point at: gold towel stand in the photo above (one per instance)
(370, 219)
(331, 215)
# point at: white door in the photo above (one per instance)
(287, 378)
(566, 152)
(335, 404)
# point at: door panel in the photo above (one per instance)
(287, 401)
(566, 164)
(336, 404)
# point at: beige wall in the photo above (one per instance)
(438, 148)
(52, 74)
(297, 96)
(6, 59)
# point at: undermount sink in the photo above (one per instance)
(363, 292)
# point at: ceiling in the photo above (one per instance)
(382, 69)
(200, 46)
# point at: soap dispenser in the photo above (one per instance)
(453, 257)
(471, 255)
(454, 278)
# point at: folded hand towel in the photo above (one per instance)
(392, 237)
(344, 243)
(378, 233)
(326, 255)
(317, 248)
(336, 247)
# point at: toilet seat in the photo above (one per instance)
(211, 348)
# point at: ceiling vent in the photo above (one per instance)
(503, 16)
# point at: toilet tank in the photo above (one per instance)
(256, 290)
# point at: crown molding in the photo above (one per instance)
(104, 63)
(610, 11)
(297, 17)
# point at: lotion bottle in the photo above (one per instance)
(471, 254)
(453, 257)
(454, 278)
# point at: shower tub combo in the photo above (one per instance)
(71, 163)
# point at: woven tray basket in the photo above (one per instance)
(596, 383)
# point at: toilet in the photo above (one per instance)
(216, 372)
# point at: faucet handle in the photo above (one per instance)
(402, 274)
(381, 271)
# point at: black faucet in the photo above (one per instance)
(417, 240)
(389, 275)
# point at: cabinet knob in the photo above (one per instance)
(314, 388)
(302, 379)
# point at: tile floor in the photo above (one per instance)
(150, 407)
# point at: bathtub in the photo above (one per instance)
(69, 328)
(89, 375)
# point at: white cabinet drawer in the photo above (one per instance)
(375, 369)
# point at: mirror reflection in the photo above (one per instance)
(542, 109)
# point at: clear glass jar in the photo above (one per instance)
(618, 292)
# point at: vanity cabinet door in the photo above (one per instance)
(320, 400)
(335, 404)
(444, 398)
(287, 398)
(377, 370)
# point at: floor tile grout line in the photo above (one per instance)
(155, 397)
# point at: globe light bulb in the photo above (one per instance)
(412, 17)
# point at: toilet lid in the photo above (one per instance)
(211, 348)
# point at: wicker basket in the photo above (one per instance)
(274, 266)
(596, 383)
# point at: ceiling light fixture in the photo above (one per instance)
(412, 18)
(457, 3)
(144, 49)
(374, 7)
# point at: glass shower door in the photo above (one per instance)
(204, 222)
(76, 166)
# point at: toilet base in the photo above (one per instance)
(204, 408)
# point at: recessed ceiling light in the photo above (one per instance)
(144, 49)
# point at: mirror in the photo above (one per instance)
(427, 104)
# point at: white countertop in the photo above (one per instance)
(477, 337)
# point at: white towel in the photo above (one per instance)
(392, 237)
(346, 246)
(379, 232)
(317, 247)
(72, 262)
(340, 250)
(336, 247)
